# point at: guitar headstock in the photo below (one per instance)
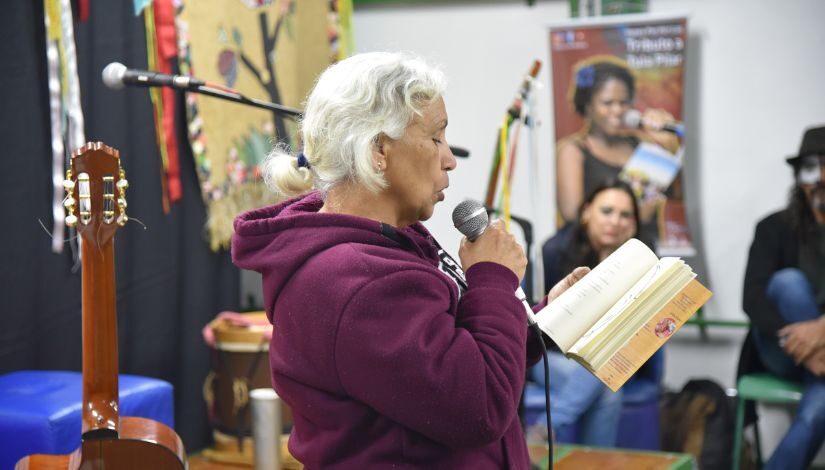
(95, 187)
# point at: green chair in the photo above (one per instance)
(766, 388)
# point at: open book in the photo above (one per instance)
(623, 311)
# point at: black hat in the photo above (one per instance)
(813, 143)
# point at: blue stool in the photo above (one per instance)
(639, 421)
(40, 410)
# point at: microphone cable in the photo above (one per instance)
(535, 328)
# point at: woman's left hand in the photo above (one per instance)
(567, 282)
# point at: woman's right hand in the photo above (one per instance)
(649, 206)
(495, 245)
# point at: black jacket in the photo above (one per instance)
(775, 246)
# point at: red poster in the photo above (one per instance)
(617, 92)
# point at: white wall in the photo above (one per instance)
(754, 81)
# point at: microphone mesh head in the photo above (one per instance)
(470, 218)
(632, 119)
(113, 75)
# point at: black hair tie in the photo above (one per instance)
(302, 161)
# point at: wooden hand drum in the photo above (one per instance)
(239, 345)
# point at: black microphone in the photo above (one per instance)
(116, 76)
(633, 119)
(471, 219)
(459, 151)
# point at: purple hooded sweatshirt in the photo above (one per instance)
(382, 360)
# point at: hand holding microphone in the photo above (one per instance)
(495, 245)
(653, 120)
(489, 242)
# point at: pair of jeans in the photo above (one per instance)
(791, 293)
(580, 401)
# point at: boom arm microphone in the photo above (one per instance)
(471, 219)
(117, 75)
(634, 120)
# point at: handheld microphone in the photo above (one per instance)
(116, 76)
(633, 119)
(471, 219)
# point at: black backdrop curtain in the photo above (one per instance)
(169, 284)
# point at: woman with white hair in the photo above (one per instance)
(387, 357)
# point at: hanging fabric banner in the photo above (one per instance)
(271, 50)
(162, 50)
(67, 124)
(617, 90)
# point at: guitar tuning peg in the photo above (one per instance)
(122, 219)
(71, 220)
(69, 203)
(68, 185)
(121, 202)
(122, 184)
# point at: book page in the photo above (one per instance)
(609, 324)
(608, 345)
(574, 312)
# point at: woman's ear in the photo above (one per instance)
(379, 152)
(585, 217)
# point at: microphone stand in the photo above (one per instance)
(232, 95)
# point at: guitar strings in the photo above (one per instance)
(43, 226)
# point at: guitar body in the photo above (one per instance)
(142, 444)
(96, 203)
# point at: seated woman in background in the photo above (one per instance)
(608, 218)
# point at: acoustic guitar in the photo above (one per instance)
(96, 204)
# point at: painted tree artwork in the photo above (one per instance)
(270, 50)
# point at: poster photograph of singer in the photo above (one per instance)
(617, 92)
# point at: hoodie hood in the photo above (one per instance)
(277, 240)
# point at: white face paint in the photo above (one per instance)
(809, 169)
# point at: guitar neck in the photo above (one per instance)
(96, 204)
(100, 350)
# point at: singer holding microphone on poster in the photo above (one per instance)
(602, 91)
(388, 355)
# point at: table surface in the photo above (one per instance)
(570, 457)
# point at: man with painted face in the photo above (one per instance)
(784, 296)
